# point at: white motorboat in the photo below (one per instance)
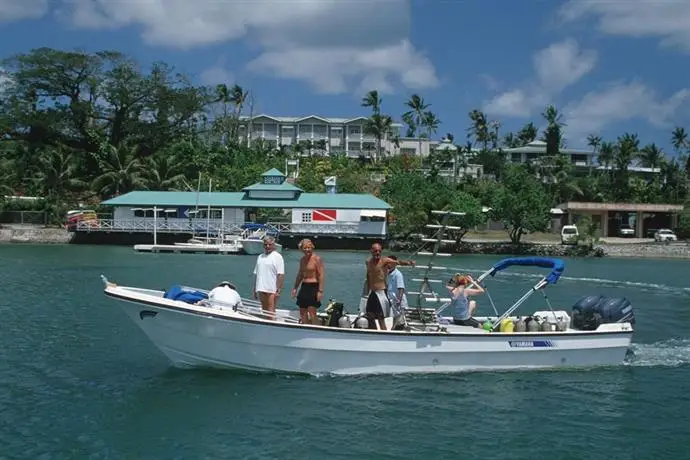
(252, 237)
(198, 335)
(192, 332)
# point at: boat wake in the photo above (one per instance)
(665, 353)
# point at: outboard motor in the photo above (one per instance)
(592, 311)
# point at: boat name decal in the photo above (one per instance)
(531, 343)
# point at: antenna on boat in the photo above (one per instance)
(426, 290)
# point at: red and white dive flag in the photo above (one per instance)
(323, 215)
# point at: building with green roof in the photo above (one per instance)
(306, 214)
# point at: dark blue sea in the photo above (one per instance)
(79, 380)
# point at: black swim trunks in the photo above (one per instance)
(467, 322)
(306, 297)
(378, 305)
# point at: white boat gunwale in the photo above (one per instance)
(182, 307)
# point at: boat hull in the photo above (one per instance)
(254, 247)
(190, 338)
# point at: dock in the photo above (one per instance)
(190, 249)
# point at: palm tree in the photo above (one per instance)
(57, 173)
(479, 128)
(238, 97)
(416, 114)
(121, 171)
(431, 123)
(379, 126)
(679, 139)
(553, 135)
(163, 172)
(373, 100)
(651, 156)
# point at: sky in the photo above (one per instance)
(610, 67)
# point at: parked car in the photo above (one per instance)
(626, 231)
(664, 234)
(569, 234)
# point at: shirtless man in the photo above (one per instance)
(378, 305)
(311, 275)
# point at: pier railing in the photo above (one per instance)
(212, 227)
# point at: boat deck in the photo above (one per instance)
(196, 249)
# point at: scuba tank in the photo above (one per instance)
(533, 324)
(520, 325)
(344, 322)
(507, 325)
(361, 323)
(547, 326)
(487, 326)
(561, 324)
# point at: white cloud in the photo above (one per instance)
(556, 67)
(666, 19)
(620, 102)
(333, 45)
(15, 10)
(217, 74)
(332, 70)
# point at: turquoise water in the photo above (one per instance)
(79, 380)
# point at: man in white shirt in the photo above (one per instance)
(224, 296)
(269, 274)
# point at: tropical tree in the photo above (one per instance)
(417, 115)
(521, 203)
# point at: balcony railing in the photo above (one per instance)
(212, 228)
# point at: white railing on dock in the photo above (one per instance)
(213, 227)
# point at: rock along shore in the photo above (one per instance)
(634, 250)
(34, 235)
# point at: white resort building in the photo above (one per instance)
(330, 135)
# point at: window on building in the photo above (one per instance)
(408, 151)
(355, 130)
(306, 217)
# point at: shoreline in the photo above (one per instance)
(678, 251)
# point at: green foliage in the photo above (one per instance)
(588, 231)
(464, 202)
(521, 203)
(78, 127)
(413, 196)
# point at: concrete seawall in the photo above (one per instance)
(34, 235)
(648, 250)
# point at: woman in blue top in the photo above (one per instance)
(459, 287)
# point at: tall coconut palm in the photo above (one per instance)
(378, 126)
(163, 172)
(431, 123)
(679, 140)
(480, 128)
(238, 97)
(416, 114)
(373, 100)
(553, 135)
(57, 173)
(121, 171)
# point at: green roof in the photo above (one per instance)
(239, 200)
(287, 186)
(273, 172)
